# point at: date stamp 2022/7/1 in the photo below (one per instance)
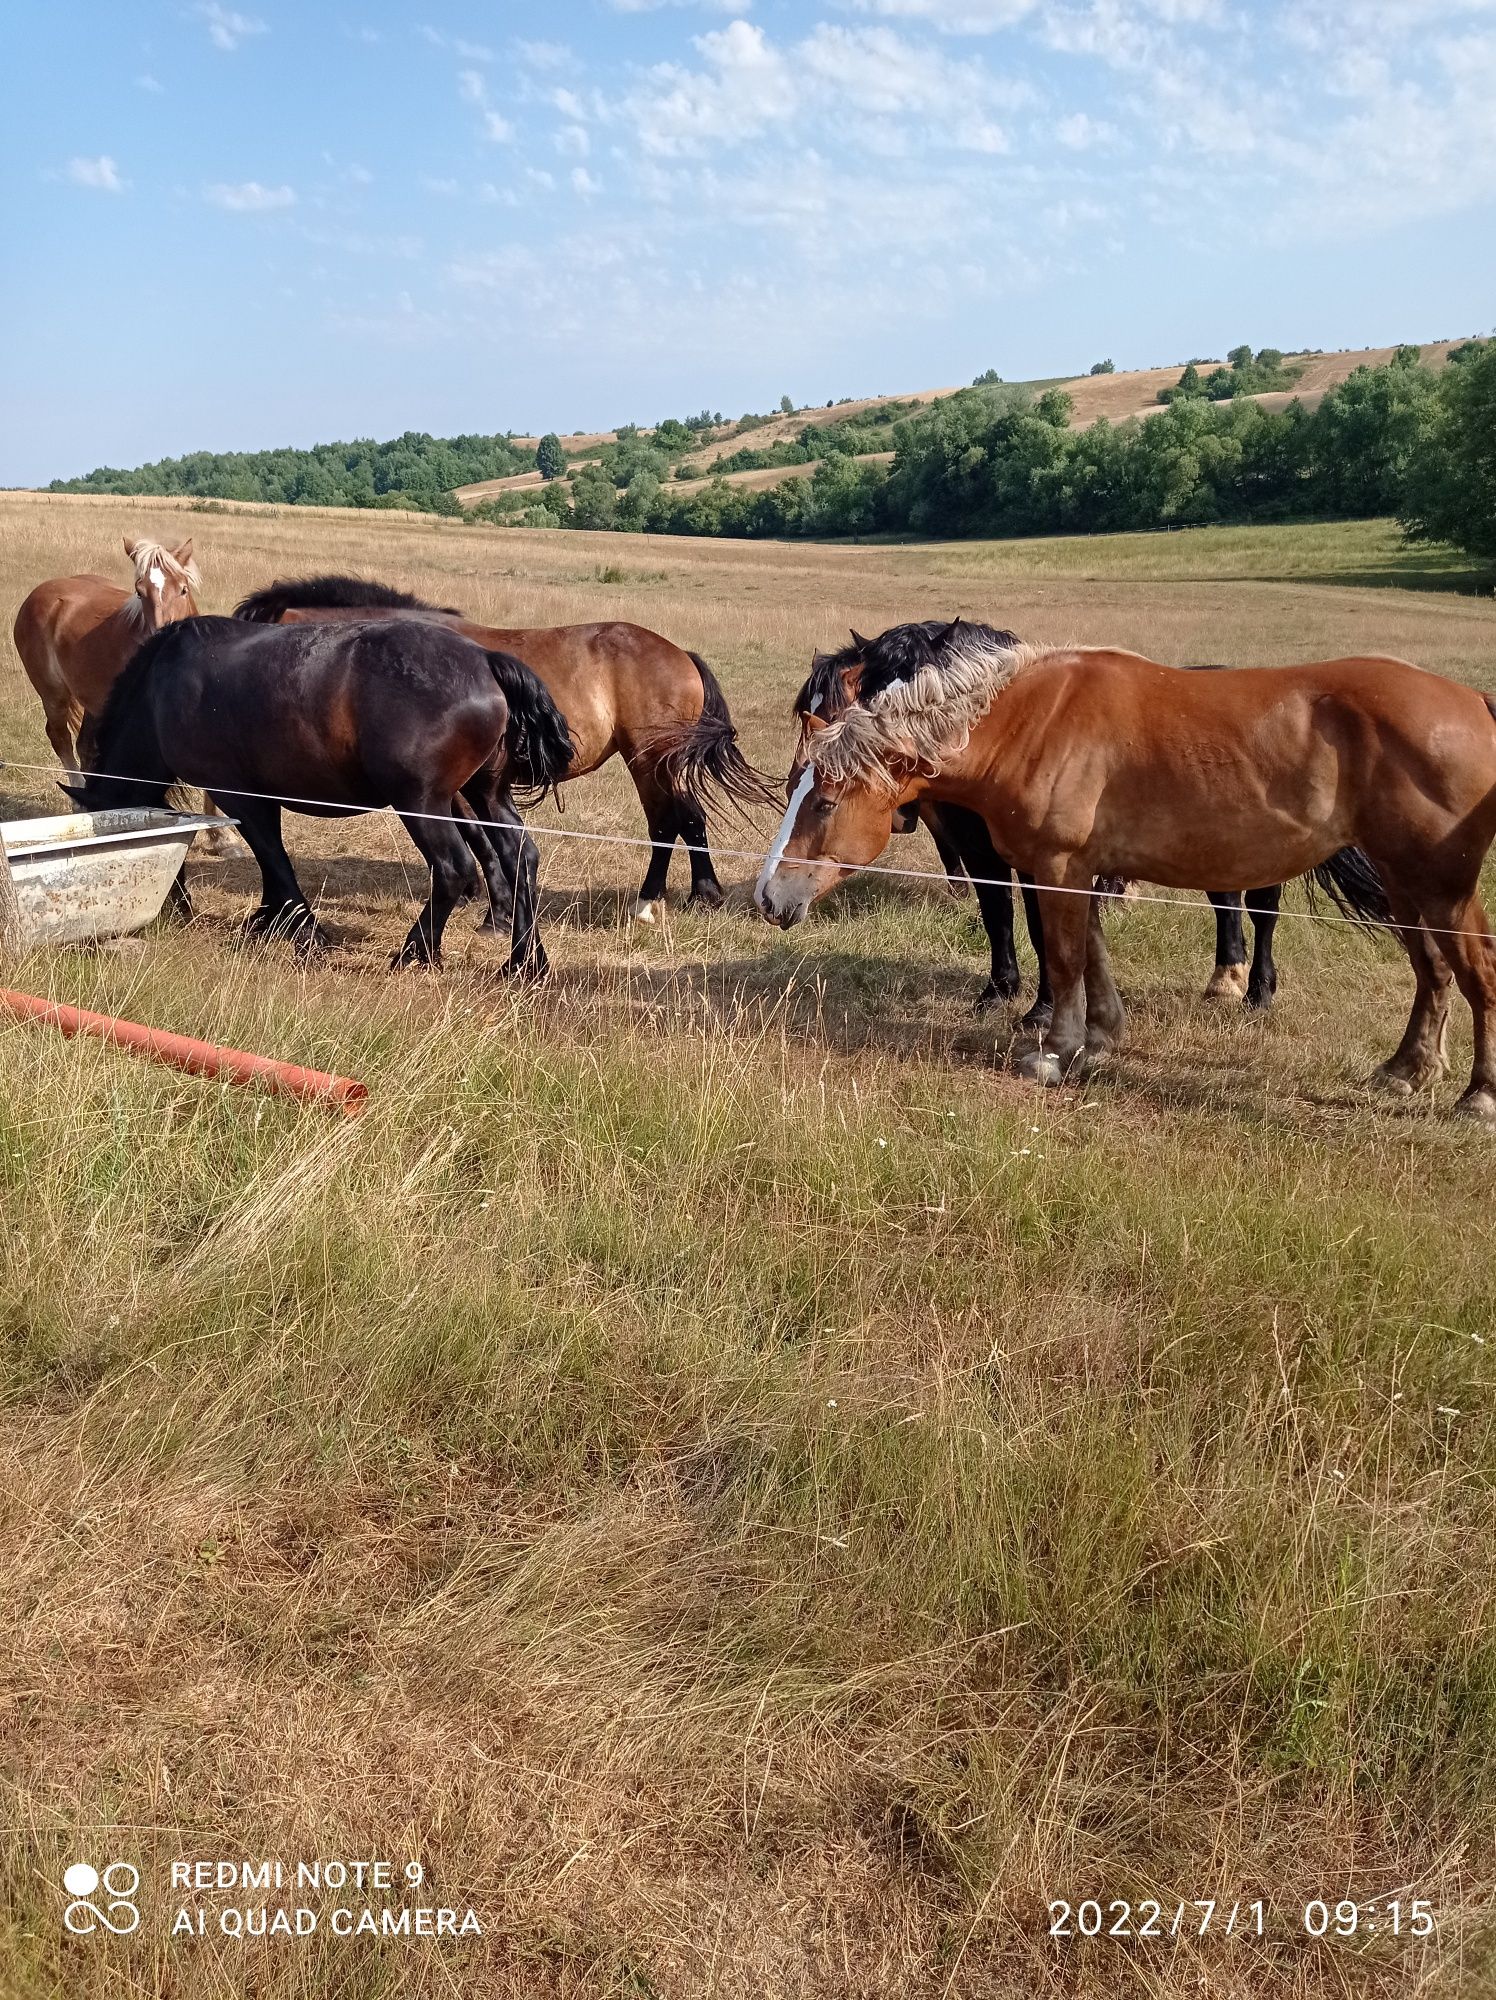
(1206, 1916)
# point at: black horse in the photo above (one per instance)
(967, 853)
(334, 719)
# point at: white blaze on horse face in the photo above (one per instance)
(782, 840)
(158, 577)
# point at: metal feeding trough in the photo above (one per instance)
(87, 875)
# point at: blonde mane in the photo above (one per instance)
(923, 720)
(155, 554)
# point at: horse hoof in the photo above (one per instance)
(221, 844)
(1038, 1019)
(407, 959)
(1392, 1081)
(987, 999)
(1479, 1105)
(1042, 1066)
(648, 913)
(1227, 982)
(707, 897)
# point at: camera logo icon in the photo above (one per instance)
(116, 1910)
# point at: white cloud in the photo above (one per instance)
(430, 184)
(99, 173)
(954, 17)
(585, 184)
(1080, 131)
(145, 81)
(468, 51)
(544, 55)
(249, 197)
(573, 139)
(472, 88)
(227, 28)
(745, 86)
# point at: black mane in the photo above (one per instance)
(127, 686)
(896, 655)
(331, 593)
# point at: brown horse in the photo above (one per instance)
(1087, 762)
(624, 691)
(75, 634)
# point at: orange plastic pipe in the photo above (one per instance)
(313, 1086)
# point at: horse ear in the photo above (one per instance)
(183, 555)
(130, 547)
(862, 645)
(73, 791)
(811, 723)
(944, 638)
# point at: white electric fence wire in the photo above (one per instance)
(337, 808)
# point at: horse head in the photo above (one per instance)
(166, 581)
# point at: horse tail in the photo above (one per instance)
(704, 767)
(1350, 880)
(329, 593)
(537, 740)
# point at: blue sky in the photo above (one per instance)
(232, 226)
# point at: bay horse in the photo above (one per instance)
(1089, 761)
(624, 691)
(342, 719)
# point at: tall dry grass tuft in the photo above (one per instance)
(753, 1498)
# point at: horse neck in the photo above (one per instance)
(129, 746)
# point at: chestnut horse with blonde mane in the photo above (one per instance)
(76, 634)
(624, 690)
(1091, 761)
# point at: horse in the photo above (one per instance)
(964, 845)
(1094, 761)
(343, 719)
(74, 635)
(624, 691)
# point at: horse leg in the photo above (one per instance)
(218, 841)
(1419, 1058)
(61, 723)
(491, 861)
(660, 813)
(1229, 979)
(706, 890)
(178, 897)
(521, 864)
(1105, 1015)
(1262, 908)
(1463, 931)
(431, 825)
(1066, 918)
(939, 822)
(1037, 1018)
(964, 845)
(284, 910)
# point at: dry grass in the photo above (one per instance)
(751, 1496)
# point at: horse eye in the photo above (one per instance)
(825, 807)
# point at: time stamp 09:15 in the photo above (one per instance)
(1205, 1916)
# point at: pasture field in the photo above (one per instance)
(756, 1500)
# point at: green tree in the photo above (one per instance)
(1450, 480)
(549, 456)
(1107, 367)
(787, 404)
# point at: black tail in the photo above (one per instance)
(705, 768)
(330, 593)
(1350, 880)
(537, 739)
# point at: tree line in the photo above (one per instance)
(994, 461)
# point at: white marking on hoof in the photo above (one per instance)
(1227, 982)
(1479, 1105)
(1041, 1066)
(647, 913)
